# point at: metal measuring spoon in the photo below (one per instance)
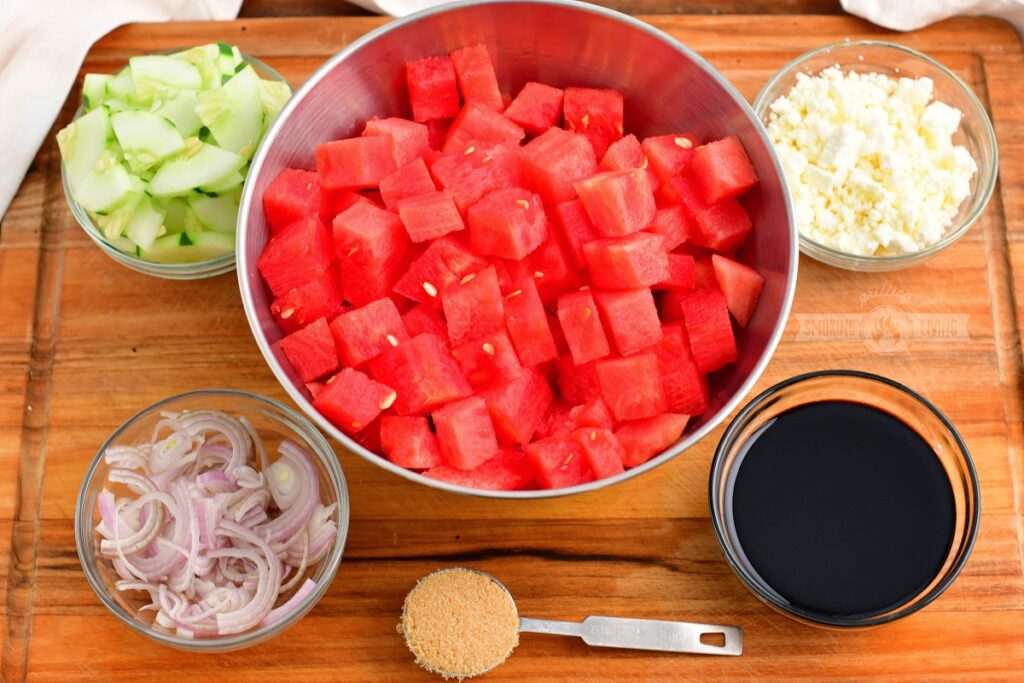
(618, 632)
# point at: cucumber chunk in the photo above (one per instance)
(174, 214)
(146, 224)
(145, 138)
(82, 143)
(189, 247)
(180, 109)
(274, 95)
(205, 58)
(113, 222)
(234, 113)
(94, 89)
(158, 74)
(205, 165)
(219, 214)
(101, 191)
(122, 87)
(228, 183)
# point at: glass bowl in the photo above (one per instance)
(274, 422)
(975, 133)
(169, 271)
(875, 392)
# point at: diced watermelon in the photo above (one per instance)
(409, 140)
(444, 262)
(594, 413)
(674, 224)
(423, 373)
(637, 260)
(470, 176)
(618, 202)
(437, 131)
(422, 319)
(314, 388)
(559, 462)
(632, 386)
(354, 163)
(602, 451)
(709, 329)
(578, 383)
(741, 286)
(373, 246)
(669, 155)
(362, 334)
(723, 169)
(643, 439)
(433, 92)
(536, 108)
(509, 223)
(429, 216)
(311, 351)
(321, 297)
(369, 436)
(581, 323)
(509, 470)
(473, 306)
(551, 270)
(554, 161)
(627, 153)
(686, 389)
(595, 113)
(556, 421)
(630, 318)
(478, 127)
(333, 202)
(682, 273)
(488, 360)
(685, 191)
(291, 196)
(465, 433)
(527, 323)
(409, 442)
(723, 226)
(475, 74)
(517, 406)
(294, 256)
(576, 228)
(351, 400)
(411, 180)
(705, 273)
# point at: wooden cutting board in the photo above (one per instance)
(84, 343)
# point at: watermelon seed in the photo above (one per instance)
(593, 435)
(357, 426)
(585, 120)
(523, 203)
(486, 159)
(488, 348)
(515, 294)
(538, 274)
(565, 465)
(430, 289)
(287, 313)
(388, 401)
(309, 186)
(392, 339)
(467, 278)
(352, 250)
(470, 150)
(621, 131)
(685, 143)
(587, 312)
(644, 164)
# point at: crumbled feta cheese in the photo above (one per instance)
(870, 161)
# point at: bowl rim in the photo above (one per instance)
(218, 265)
(894, 261)
(246, 265)
(323, 451)
(715, 474)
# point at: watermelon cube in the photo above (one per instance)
(554, 161)
(551, 269)
(475, 75)
(422, 319)
(723, 226)
(581, 323)
(627, 153)
(314, 388)
(536, 108)
(682, 273)
(409, 442)
(618, 202)
(686, 389)
(433, 91)
(333, 202)
(369, 436)
(354, 163)
(674, 224)
(723, 169)
(488, 360)
(296, 255)
(429, 216)
(578, 383)
(509, 223)
(311, 351)
(509, 470)
(291, 196)
(465, 433)
(409, 140)
(373, 246)
(517, 406)
(630, 318)
(705, 273)
(473, 306)
(602, 451)
(423, 373)
(556, 421)
(351, 400)
(362, 334)
(443, 263)
(595, 113)
(709, 329)
(637, 260)
(593, 413)
(437, 131)
(669, 155)
(411, 180)
(470, 176)
(478, 127)
(576, 229)
(527, 323)
(741, 286)
(559, 462)
(321, 297)
(632, 386)
(643, 439)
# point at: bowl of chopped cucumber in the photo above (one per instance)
(155, 159)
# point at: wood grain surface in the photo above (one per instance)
(84, 343)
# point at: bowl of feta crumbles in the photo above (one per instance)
(889, 156)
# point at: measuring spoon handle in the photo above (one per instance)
(642, 634)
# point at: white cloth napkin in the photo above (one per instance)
(42, 45)
(908, 15)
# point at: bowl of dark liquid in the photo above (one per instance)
(844, 499)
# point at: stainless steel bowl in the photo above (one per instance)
(668, 88)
